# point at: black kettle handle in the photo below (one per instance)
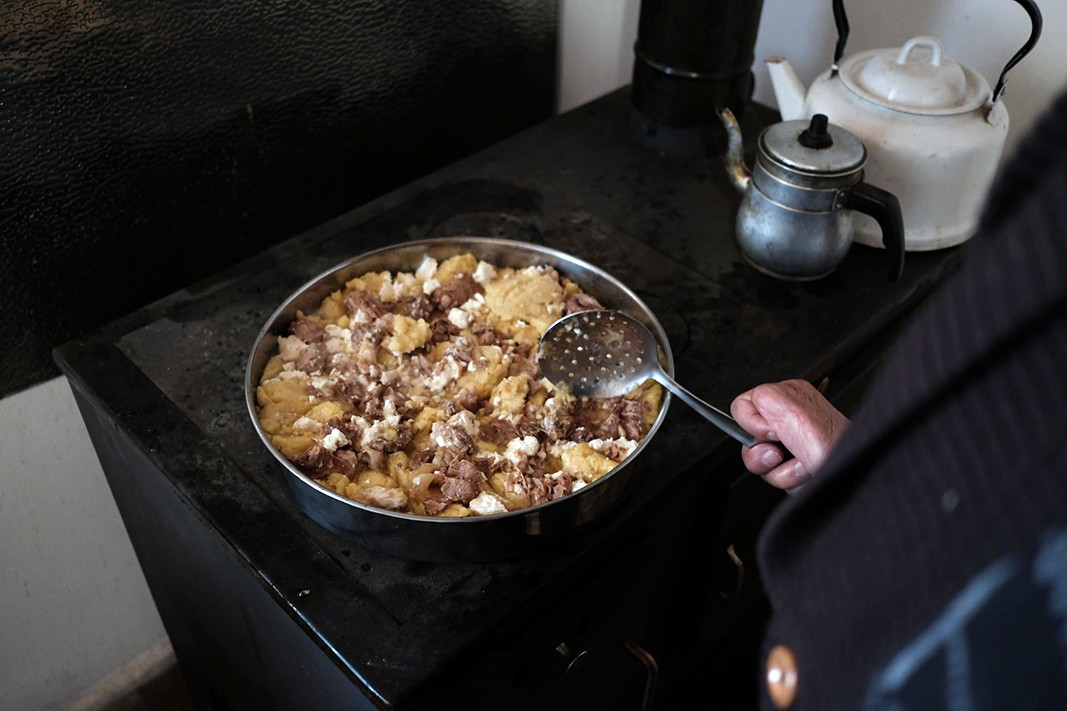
(841, 20)
(884, 207)
(1035, 33)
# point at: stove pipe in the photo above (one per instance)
(692, 58)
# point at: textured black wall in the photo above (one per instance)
(147, 144)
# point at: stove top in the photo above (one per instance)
(168, 381)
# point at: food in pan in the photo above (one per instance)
(420, 392)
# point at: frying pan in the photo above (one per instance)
(474, 538)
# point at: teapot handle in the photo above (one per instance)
(884, 207)
(841, 20)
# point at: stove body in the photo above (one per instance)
(267, 610)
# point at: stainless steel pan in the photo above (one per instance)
(475, 538)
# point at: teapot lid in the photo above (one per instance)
(915, 79)
(817, 152)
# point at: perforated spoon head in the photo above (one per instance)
(598, 353)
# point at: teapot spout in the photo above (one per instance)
(734, 160)
(788, 91)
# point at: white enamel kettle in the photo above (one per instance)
(933, 130)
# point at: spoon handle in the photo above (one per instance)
(715, 416)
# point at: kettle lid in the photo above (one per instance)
(915, 78)
(818, 149)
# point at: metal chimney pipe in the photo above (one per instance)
(691, 58)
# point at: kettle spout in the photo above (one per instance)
(788, 91)
(735, 162)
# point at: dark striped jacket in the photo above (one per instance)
(926, 566)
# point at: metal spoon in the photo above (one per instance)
(608, 354)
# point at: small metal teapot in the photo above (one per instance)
(795, 221)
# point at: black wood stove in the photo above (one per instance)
(267, 610)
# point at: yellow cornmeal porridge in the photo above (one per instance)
(420, 392)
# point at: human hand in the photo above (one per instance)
(794, 413)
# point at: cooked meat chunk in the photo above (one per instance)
(498, 432)
(347, 461)
(581, 434)
(434, 506)
(455, 293)
(460, 490)
(467, 400)
(307, 331)
(315, 458)
(465, 469)
(311, 360)
(560, 487)
(485, 333)
(415, 306)
(360, 301)
(573, 303)
(632, 419)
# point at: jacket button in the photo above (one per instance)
(782, 676)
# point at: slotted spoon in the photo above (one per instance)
(609, 353)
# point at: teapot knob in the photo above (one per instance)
(815, 135)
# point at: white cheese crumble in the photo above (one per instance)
(338, 333)
(474, 305)
(485, 504)
(459, 318)
(387, 293)
(426, 270)
(326, 385)
(384, 428)
(621, 444)
(292, 375)
(578, 484)
(335, 439)
(306, 423)
(556, 449)
(519, 448)
(430, 286)
(465, 421)
(290, 347)
(485, 273)
(445, 372)
(519, 323)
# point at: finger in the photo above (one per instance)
(761, 458)
(785, 405)
(788, 476)
(744, 410)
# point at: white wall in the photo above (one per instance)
(596, 47)
(75, 606)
